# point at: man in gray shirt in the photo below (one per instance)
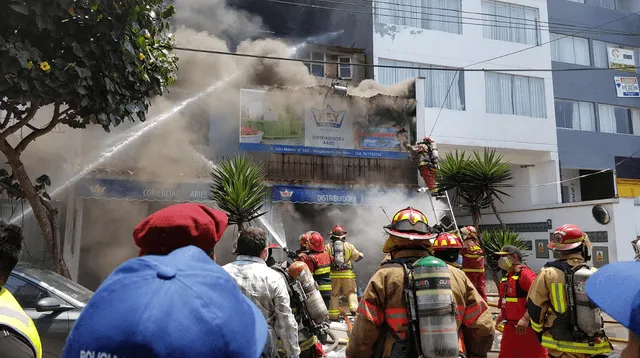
(266, 288)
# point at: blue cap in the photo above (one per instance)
(615, 288)
(181, 305)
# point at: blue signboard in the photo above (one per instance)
(141, 190)
(314, 195)
(296, 149)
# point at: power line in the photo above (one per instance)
(276, 58)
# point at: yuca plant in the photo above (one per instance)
(238, 188)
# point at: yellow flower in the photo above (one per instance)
(141, 57)
(30, 64)
(45, 66)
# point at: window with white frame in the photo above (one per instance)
(316, 69)
(519, 95)
(575, 115)
(601, 54)
(570, 49)
(437, 82)
(509, 22)
(609, 4)
(620, 120)
(345, 68)
(580, 1)
(438, 15)
(621, 5)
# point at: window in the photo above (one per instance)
(508, 22)
(438, 15)
(519, 95)
(618, 119)
(580, 1)
(621, 5)
(609, 4)
(570, 49)
(26, 293)
(345, 69)
(601, 54)
(316, 69)
(437, 83)
(575, 115)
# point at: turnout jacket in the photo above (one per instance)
(351, 255)
(382, 309)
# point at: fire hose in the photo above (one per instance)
(335, 343)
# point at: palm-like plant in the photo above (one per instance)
(477, 180)
(493, 241)
(238, 188)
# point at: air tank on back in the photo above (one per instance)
(338, 253)
(589, 317)
(300, 272)
(436, 308)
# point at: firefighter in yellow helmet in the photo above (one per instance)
(19, 337)
(389, 323)
(566, 321)
(343, 279)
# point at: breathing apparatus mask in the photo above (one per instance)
(505, 263)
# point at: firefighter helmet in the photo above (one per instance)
(568, 237)
(304, 241)
(411, 224)
(274, 246)
(446, 241)
(338, 232)
(316, 241)
(469, 232)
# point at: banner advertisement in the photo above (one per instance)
(627, 86)
(142, 190)
(315, 125)
(315, 195)
(621, 59)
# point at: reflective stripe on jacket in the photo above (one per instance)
(382, 309)
(513, 293)
(351, 255)
(322, 270)
(472, 256)
(547, 300)
(12, 315)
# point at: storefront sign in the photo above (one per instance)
(139, 190)
(621, 59)
(314, 195)
(314, 125)
(627, 86)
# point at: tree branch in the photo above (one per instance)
(6, 120)
(55, 119)
(31, 112)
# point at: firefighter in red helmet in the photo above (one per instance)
(383, 326)
(568, 324)
(343, 279)
(518, 339)
(319, 262)
(425, 153)
(447, 248)
(473, 259)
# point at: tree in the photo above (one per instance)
(93, 61)
(477, 181)
(238, 188)
(494, 241)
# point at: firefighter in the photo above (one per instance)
(426, 155)
(555, 315)
(473, 259)
(382, 325)
(343, 279)
(319, 262)
(518, 339)
(310, 347)
(447, 248)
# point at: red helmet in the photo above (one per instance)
(568, 237)
(411, 224)
(274, 246)
(469, 232)
(316, 241)
(304, 241)
(338, 232)
(446, 241)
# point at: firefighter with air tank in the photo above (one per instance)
(447, 248)
(473, 259)
(568, 324)
(318, 260)
(343, 279)
(415, 304)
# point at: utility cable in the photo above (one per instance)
(277, 58)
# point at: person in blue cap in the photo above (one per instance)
(615, 288)
(172, 302)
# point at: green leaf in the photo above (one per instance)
(77, 49)
(46, 195)
(44, 179)
(21, 8)
(3, 173)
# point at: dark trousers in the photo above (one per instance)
(13, 345)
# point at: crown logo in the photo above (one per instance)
(97, 189)
(286, 194)
(327, 117)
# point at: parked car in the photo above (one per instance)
(52, 301)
